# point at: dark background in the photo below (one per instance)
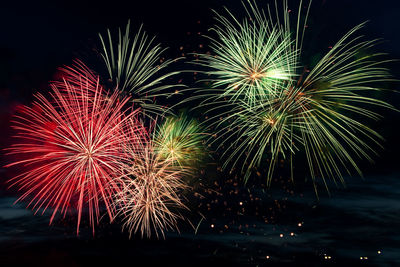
(37, 37)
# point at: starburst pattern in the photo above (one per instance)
(150, 200)
(71, 148)
(181, 140)
(251, 58)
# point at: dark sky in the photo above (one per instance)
(38, 36)
(40, 33)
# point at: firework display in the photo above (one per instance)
(99, 145)
(275, 109)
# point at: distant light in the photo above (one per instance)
(379, 252)
(292, 234)
(267, 257)
(240, 203)
(281, 235)
(299, 224)
(212, 225)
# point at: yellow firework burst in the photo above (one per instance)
(150, 200)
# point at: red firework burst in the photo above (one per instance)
(71, 147)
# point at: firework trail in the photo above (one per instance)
(71, 148)
(137, 67)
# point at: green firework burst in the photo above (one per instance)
(252, 58)
(181, 140)
(137, 67)
(320, 112)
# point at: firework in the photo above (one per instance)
(319, 112)
(254, 131)
(180, 140)
(336, 96)
(78, 76)
(252, 58)
(150, 198)
(136, 66)
(71, 146)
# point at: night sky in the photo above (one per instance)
(243, 228)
